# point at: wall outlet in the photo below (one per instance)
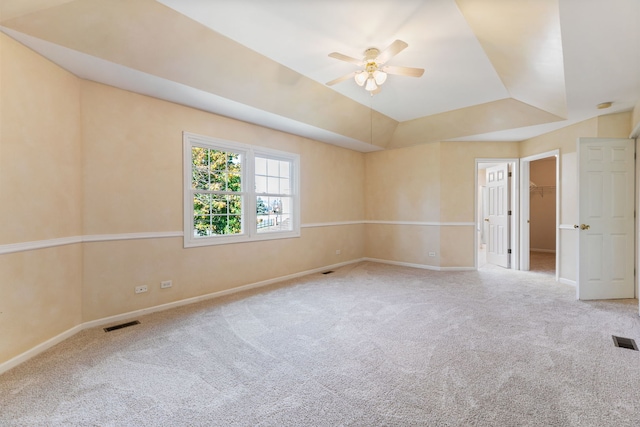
(141, 289)
(166, 284)
(338, 251)
(432, 254)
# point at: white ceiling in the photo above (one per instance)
(600, 44)
(300, 35)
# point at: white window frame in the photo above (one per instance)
(249, 216)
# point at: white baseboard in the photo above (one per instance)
(187, 301)
(40, 348)
(11, 363)
(422, 266)
(567, 281)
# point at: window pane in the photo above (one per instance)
(287, 207)
(200, 178)
(285, 186)
(234, 204)
(201, 204)
(226, 224)
(219, 205)
(261, 184)
(217, 160)
(261, 166)
(216, 214)
(217, 185)
(273, 185)
(261, 206)
(217, 180)
(215, 170)
(234, 182)
(234, 163)
(273, 167)
(199, 156)
(201, 226)
(285, 169)
(274, 214)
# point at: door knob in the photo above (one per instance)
(584, 227)
(486, 219)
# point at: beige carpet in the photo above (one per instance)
(542, 262)
(369, 345)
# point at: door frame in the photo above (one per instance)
(514, 242)
(635, 135)
(525, 208)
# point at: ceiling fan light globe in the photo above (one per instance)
(380, 77)
(371, 84)
(361, 77)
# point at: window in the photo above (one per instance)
(236, 192)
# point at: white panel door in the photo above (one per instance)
(498, 218)
(606, 211)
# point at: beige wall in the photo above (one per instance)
(133, 176)
(423, 198)
(615, 125)
(402, 187)
(83, 159)
(40, 198)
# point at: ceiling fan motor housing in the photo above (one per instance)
(371, 54)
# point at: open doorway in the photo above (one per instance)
(540, 213)
(497, 195)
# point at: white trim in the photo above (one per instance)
(331, 224)
(567, 227)
(567, 282)
(423, 223)
(635, 133)
(421, 266)
(418, 223)
(131, 236)
(23, 357)
(42, 244)
(39, 244)
(40, 348)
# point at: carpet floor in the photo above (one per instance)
(368, 345)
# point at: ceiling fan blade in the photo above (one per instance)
(403, 71)
(341, 79)
(394, 48)
(345, 58)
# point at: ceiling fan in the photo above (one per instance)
(373, 74)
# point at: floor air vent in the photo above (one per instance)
(328, 272)
(123, 325)
(625, 343)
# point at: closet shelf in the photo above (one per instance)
(541, 189)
